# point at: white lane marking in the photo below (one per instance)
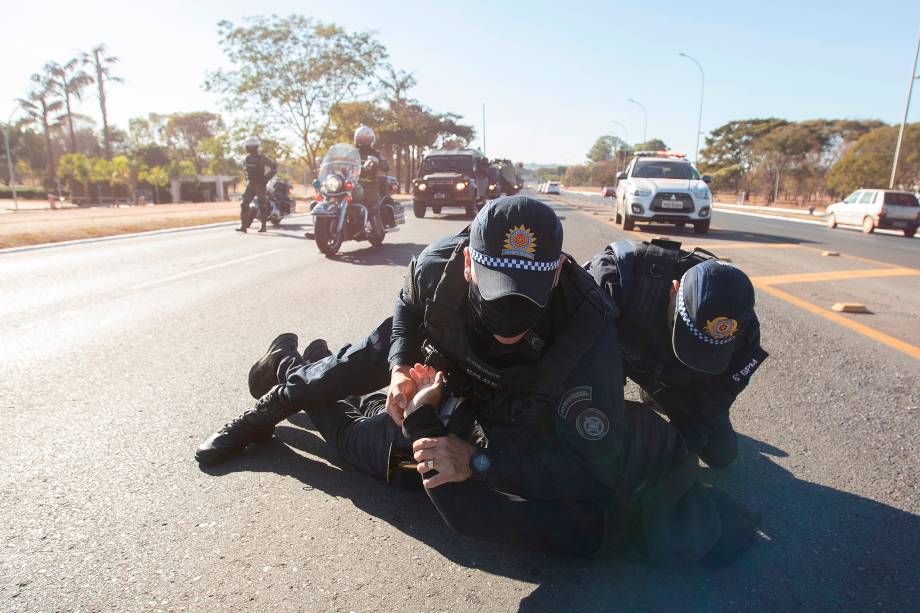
(190, 273)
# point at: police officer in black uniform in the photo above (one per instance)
(259, 171)
(526, 339)
(372, 164)
(689, 334)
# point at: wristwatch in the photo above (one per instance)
(480, 463)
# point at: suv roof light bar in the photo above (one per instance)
(660, 154)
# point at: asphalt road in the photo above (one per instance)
(119, 356)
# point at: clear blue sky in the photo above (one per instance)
(576, 63)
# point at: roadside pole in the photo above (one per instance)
(910, 90)
(9, 163)
(625, 141)
(699, 122)
(644, 121)
(484, 128)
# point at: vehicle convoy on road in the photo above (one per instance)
(451, 178)
(663, 187)
(877, 208)
(336, 217)
(509, 181)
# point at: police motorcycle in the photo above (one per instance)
(337, 216)
(280, 203)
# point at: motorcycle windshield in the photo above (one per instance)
(343, 159)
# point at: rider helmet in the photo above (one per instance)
(252, 145)
(365, 137)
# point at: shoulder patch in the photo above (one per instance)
(572, 397)
(592, 424)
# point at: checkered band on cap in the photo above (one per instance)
(494, 262)
(682, 311)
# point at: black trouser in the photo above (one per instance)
(363, 435)
(254, 190)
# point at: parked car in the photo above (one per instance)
(663, 187)
(608, 191)
(877, 208)
(552, 187)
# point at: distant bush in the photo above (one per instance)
(26, 193)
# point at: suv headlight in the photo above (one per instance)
(642, 192)
(702, 193)
(421, 187)
(460, 186)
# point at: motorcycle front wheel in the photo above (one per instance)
(327, 239)
(378, 233)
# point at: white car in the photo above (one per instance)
(552, 187)
(663, 187)
(877, 208)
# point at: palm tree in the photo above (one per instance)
(39, 106)
(102, 65)
(68, 81)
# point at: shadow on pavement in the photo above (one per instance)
(821, 548)
(387, 254)
(688, 236)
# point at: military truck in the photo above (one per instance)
(451, 178)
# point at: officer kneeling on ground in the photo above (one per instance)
(533, 444)
(259, 171)
(689, 334)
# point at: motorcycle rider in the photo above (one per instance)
(371, 163)
(259, 171)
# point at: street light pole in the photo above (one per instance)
(9, 160)
(625, 140)
(910, 90)
(645, 123)
(483, 128)
(699, 122)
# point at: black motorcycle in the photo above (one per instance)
(280, 204)
(336, 216)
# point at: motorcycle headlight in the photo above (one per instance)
(332, 184)
(422, 187)
(460, 186)
(642, 192)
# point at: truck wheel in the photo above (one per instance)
(909, 232)
(701, 227)
(418, 208)
(436, 210)
(617, 218)
(327, 239)
(831, 221)
(628, 223)
(868, 226)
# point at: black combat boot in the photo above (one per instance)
(316, 351)
(264, 373)
(254, 426)
(262, 229)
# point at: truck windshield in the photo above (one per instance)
(663, 169)
(447, 163)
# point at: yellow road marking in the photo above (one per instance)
(835, 275)
(859, 328)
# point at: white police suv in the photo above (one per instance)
(663, 187)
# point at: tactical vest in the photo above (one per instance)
(499, 390)
(643, 294)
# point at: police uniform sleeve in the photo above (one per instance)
(705, 406)
(272, 168)
(581, 462)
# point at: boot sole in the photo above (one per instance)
(254, 384)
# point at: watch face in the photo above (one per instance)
(481, 462)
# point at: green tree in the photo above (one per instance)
(184, 132)
(68, 81)
(39, 105)
(868, 162)
(75, 170)
(289, 72)
(100, 174)
(601, 150)
(654, 144)
(101, 64)
(158, 177)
